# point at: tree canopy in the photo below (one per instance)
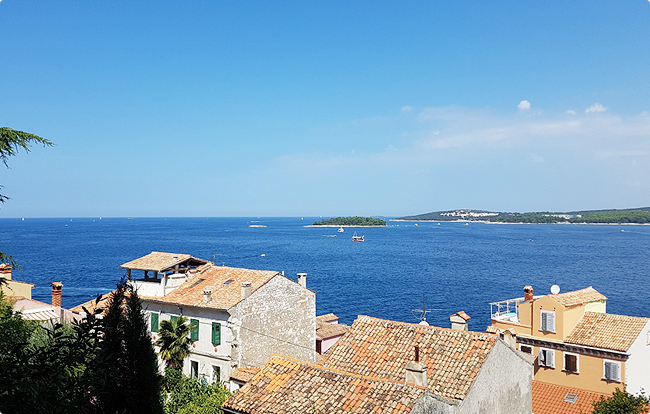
(622, 402)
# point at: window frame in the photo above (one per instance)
(564, 364)
(154, 327)
(218, 369)
(544, 326)
(194, 329)
(618, 370)
(198, 368)
(528, 347)
(546, 358)
(216, 334)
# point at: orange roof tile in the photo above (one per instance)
(285, 385)
(330, 317)
(224, 282)
(382, 348)
(604, 330)
(330, 330)
(92, 305)
(159, 261)
(244, 374)
(550, 399)
(579, 297)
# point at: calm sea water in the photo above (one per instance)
(456, 267)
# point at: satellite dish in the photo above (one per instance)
(555, 289)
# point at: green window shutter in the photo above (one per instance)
(216, 333)
(154, 322)
(174, 318)
(194, 329)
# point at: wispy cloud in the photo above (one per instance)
(595, 108)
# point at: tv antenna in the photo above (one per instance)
(421, 314)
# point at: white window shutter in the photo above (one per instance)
(615, 372)
(550, 317)
(540, 358)
(544, 321)
(550, 356)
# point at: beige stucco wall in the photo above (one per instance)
(17, 288)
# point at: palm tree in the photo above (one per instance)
(174, 341)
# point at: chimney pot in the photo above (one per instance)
(207, 296)
(56, 294)
(528, 293)
(459, 321)
(417, 353)
(416, 373)
(245, 290)
(302, 279)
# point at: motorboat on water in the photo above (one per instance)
(357, 238)
(341, 230)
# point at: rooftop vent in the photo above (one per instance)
(571, 398)
(227, 282)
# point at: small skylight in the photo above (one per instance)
(571, 398)
(227, 282)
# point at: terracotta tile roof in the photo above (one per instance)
(244, 374)
(381, 348)
(91, 305)
(604, 330)
(330, 330)
(285, 385)
(159, 261)
(224, 282)
(579, 297)
(463, 315)
(330, 317)
(549, 399)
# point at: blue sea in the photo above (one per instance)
(452, 265)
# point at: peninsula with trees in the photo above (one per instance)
(355, 221)
(626, 216)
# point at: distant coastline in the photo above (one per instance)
(626, 216)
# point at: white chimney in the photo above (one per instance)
(245, 290)
(459, 321)
(302, 279)
(207, 296)
(510, 338)
(416, 371)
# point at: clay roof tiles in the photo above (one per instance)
(381, 348)
(285, 385)
(550, 399)
(330, 317)
(244, 374)
(159, 261)
(579, 297)
(330, 330)
(604, 330)
(224, 282)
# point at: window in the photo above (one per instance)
(526, 349)
(612, 371)
(571, 363)
(216, 373)
(154, 322)
(194, 369)
(546, 358)
(216, 333)
(548, 321)
(194, 329)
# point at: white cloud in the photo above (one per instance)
(570, 112)
(407, 108)
(523, 105)
(595, 108)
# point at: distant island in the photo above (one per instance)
(628, 216)
(351, 221)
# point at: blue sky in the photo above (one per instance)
(213, 108)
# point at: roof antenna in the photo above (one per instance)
(423, 312)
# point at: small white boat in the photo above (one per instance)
(357, 238)
(341, 230)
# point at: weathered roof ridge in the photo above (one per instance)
(579, 297)
(431, 327)
(345, 373)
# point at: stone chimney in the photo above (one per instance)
(510, 338)
(302, 279)
(207, 296)
(459, 321)
(56, 294)
(5, 270)
(245, 290)
(416, 371)
(528, 293)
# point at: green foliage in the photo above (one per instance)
(622, 402)
(615, 216)
(191, 396)
(90, 366)
(351, 221)
(174, 342)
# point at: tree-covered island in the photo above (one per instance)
(629, 216)
(351, 221)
